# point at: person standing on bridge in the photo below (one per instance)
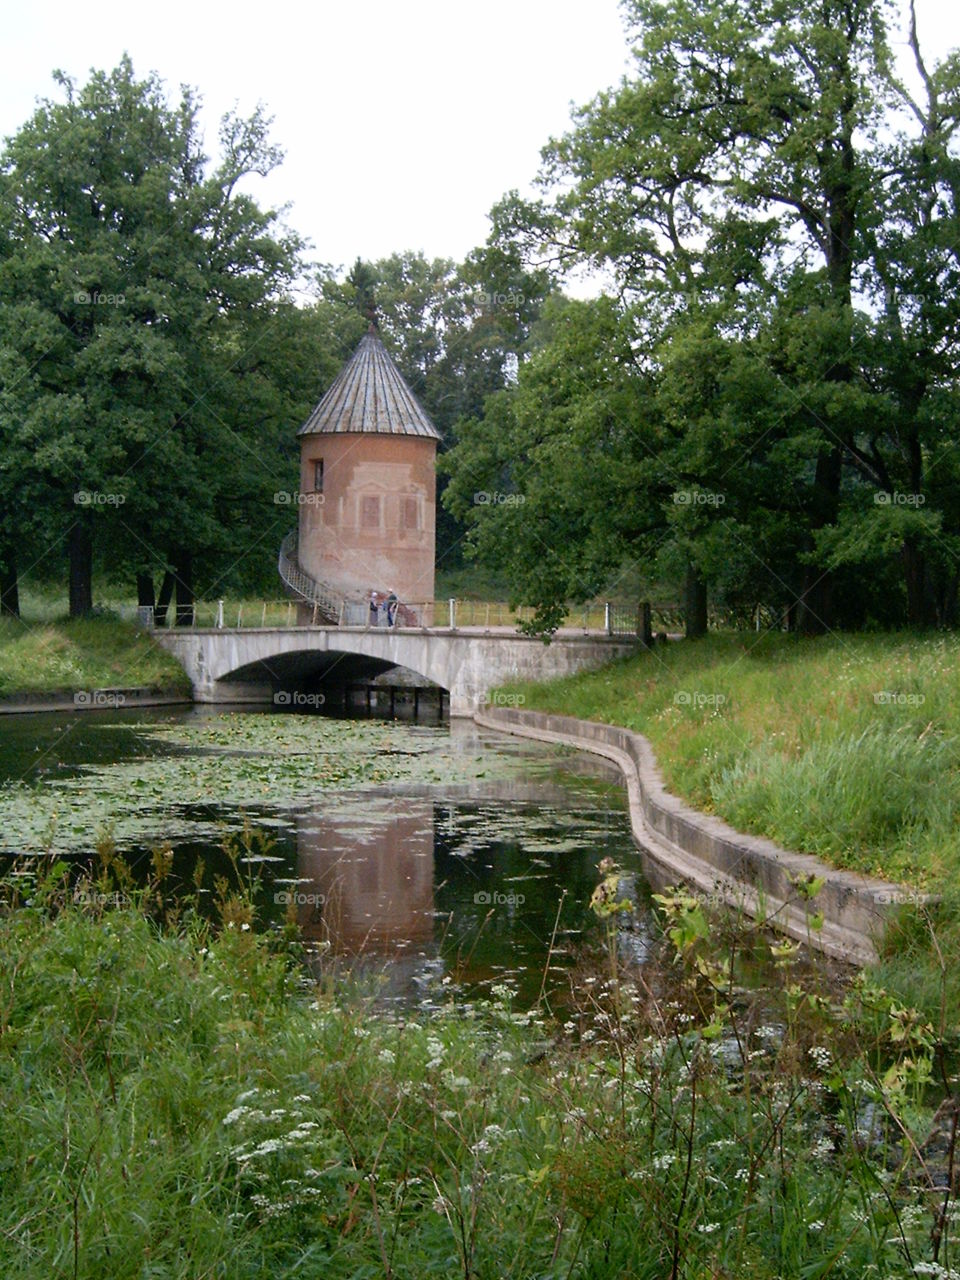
(393, 604)
(374, 610)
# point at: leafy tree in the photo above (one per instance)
(136, 288)
(779, 234)
(561, 481)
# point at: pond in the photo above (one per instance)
(433, 853)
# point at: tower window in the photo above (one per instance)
(318, 475)
(370, 512)
(409, 513)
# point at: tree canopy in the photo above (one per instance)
(777, 211)
(141, 291)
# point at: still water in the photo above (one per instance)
(424, 852)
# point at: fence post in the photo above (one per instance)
(645, 623)
(453, 613)
(263, 615)
(219, 614)
(606, 619)
(239, 617)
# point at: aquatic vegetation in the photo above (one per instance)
(193, 775)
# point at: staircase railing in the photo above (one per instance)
(329, 603)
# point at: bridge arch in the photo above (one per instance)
(468, 664)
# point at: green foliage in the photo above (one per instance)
(183, 1097)
(83, 654)
(146, 332)
(844, 747)
(779, 217)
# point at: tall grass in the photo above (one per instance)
(82, 653)
(847, 747)
(180, 1102)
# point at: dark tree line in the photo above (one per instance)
(766, 404)
(154, 367)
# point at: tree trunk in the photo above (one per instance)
(9, 586)
(163, 600)
(816, 598)
(146, 597)
(183, 573)
(921, 607)
(80, 553)
(944, 587)
(695, 612)
(914, 573)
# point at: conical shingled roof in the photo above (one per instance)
(369, 395)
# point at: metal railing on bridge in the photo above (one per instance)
(452, 614)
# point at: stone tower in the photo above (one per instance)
(368, 486)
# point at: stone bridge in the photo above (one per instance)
(252, 664)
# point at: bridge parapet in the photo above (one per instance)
(227, 665)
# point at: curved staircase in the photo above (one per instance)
(330, 605)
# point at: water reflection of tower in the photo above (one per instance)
(366, 876)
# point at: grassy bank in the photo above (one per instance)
(181, 1103)
(82, 654)
(845, 747)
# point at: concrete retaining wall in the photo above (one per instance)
(93, 700)
(747, 872)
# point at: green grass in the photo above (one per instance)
(182, 1103)
(845, 747)
(82, 654)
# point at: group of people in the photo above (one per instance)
(383, 608)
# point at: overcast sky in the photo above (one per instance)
(402, 122)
